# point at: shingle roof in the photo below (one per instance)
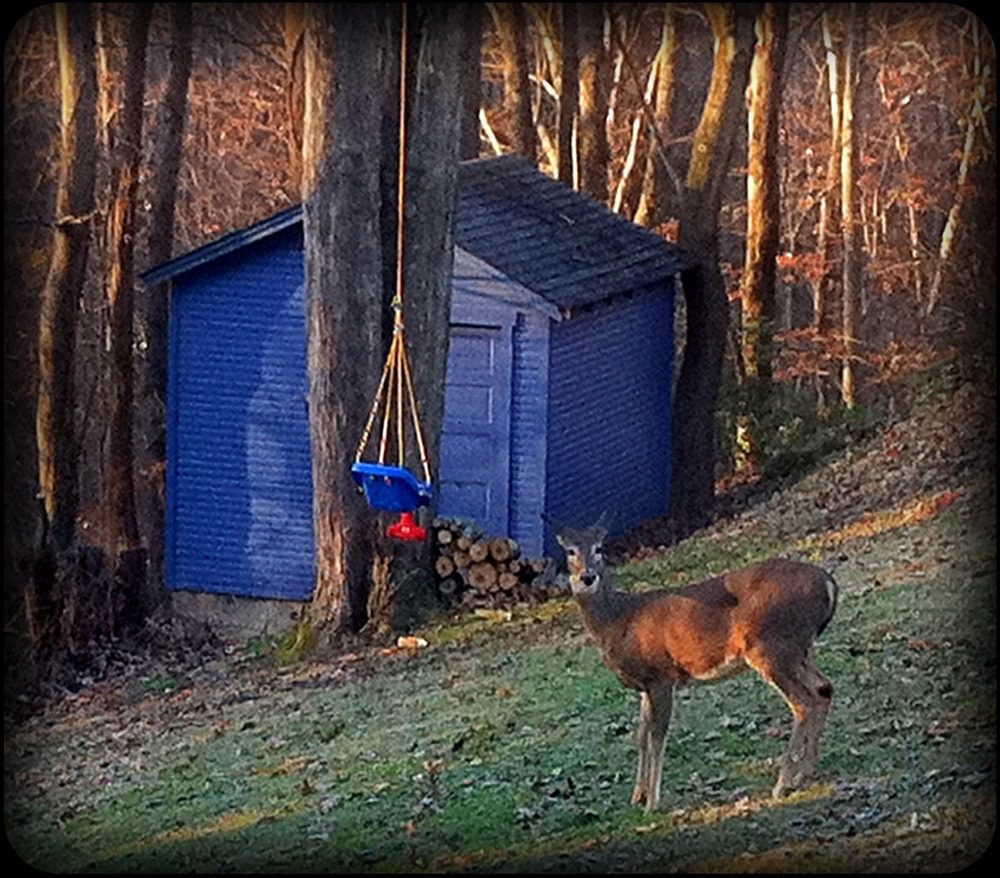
(557, 242)
(554, 241)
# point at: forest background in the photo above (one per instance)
(847, 198)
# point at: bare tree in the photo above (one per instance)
(472, 90)
(167, 138)
(294, 35)
(56, 437)
(972, 120)
(694, 435)
(352, 74)
(653, 198)
(511, 25)
(763, 201)
(569, 87)
(592, 135)
(851, 269)
(827, 204)
(125, 143)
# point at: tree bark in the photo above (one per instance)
(352, 74)
(471, 84)
(55, 432)
(168, 142)
(592, 136)
(629, 186)
(828, 203)
(119, 283)
(569, 93)
(694, 433)
(348, 70)
(651, 210)
(294, 35)
(763, 195)
(512, 29)
(851, 266)
(946, 245)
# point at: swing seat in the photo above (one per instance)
(391, 488)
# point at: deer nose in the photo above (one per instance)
(588, 579)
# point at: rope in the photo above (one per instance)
(396, 377)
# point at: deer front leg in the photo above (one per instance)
(641, 789)
(662, 702)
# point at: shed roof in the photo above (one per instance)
(538, 231)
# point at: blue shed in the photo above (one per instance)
(558, 389)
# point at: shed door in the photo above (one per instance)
(475, 442)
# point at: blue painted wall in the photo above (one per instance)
(239, 490)
(566, 416)
(609, 411)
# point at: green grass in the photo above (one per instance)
(507, 746)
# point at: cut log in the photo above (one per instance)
(444, 566)
(450, 587)
(507, 581)
(479, 551)
(461, 559)
(502, 549)
(483, 576)
(444, 536)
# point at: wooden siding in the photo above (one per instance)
(529, 409)
(239, 517)
(609, 412)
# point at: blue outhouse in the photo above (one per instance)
(558, 389)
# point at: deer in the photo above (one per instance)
(764, 618)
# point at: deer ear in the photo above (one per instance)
(604, 523)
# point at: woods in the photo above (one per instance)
(830, 169)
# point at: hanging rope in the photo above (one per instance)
(395, 389)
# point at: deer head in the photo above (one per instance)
(585, 558)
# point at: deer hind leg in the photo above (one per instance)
(808, 693)
(657, 705)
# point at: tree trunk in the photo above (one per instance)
(653, 200)
(630, 183)
(763, 195)
(592, 136)
(471, 84)
(55, 432)
(694, 433)
(851, 273)
(441, 34)
(119, 283)
(350, 262)
(294, 35)
(168, 142)
(569, 86)
(127, 597)
(512, 29)
(947, 244)
(827, 204)
(349, 64)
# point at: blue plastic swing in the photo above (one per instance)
(391, 488)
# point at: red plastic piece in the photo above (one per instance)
(406, 529)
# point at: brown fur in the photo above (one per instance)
(765, 617)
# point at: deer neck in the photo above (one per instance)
(603, 608)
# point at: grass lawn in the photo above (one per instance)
(506, 746)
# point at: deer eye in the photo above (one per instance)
(597, 551)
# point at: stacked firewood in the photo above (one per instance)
(477, 570)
